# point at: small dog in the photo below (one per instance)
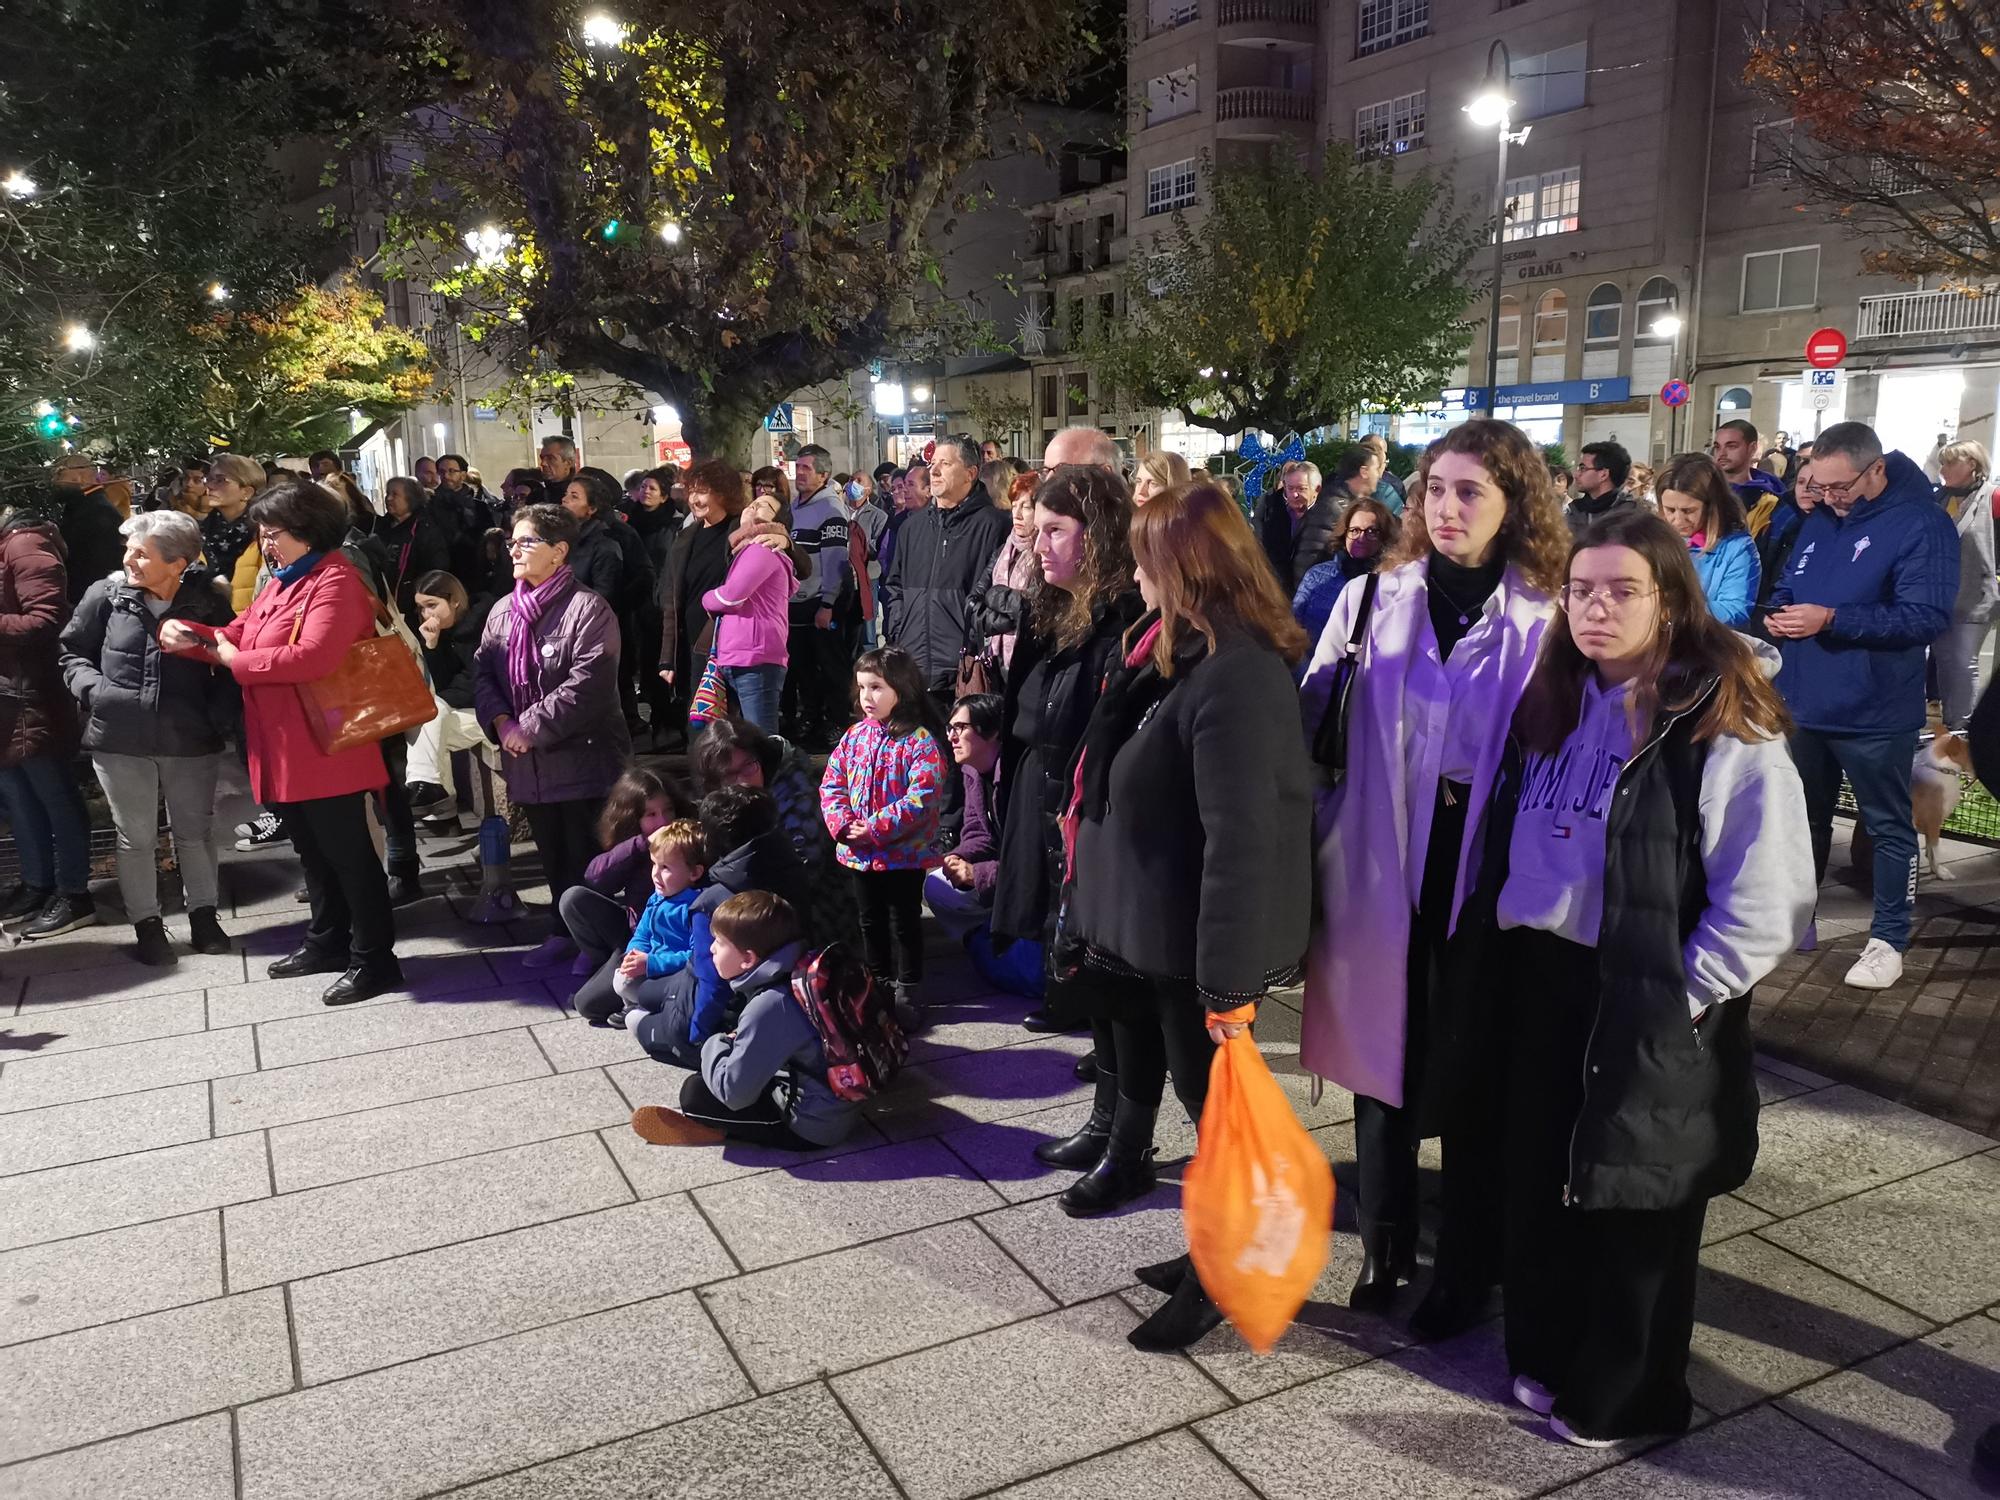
(1935, 790)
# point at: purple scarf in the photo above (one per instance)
(529, 605)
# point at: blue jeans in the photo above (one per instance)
(51, 829)
(756, 691)
(1878, 768)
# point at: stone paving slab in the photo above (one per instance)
(184, 1461)
(1835, 1142)
(61, 1134)
(427, 1303)
(426, 977)
(407, 1023)
(1172, 1466)
(1759, 1455)
(346, 1085)
(62, 1202)
(453, 1418)
(123, 978)
(102, 1278)
(48, 1034)
(104, 1072)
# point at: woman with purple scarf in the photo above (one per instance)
(547, 692)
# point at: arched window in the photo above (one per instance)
(1658, 299)
(1603, 314)
(1732, 402)
(1510, 323)
(1552, 320)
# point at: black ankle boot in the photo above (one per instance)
(1385, 1260)
(1126, 1170)
(1165, 1275)
(1451, 1306)
(1183, 1319)
(1085, 1149)
(154, 948)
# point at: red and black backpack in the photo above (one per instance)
(855, 1019)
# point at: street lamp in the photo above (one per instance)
(920, 394)
(670, 232)
(18, 184)
(79, 339)
(217, 292)
(1666, 327)
(601, 30)
(1494, 106)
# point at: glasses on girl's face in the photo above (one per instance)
(764, 489)
(1616, 597)
(522, 544)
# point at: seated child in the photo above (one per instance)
(616, 886)
(764, 1082)
(660, 943)
(747, 851)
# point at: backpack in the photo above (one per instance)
(856, 1025)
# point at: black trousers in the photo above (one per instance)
(345, 886)
(1149, 1031)
(1600, 1302)
(392, 803)
(600, 927)
(892, 914)
(565, 836)
(764, 1123)
(819, 681)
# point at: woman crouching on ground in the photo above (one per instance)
(1192, 864)
(1649, 855)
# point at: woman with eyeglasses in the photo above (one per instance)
(546, 691)
(1445, 649)
(1647, 862)
(297, 630)
(1696, 500)
(1365, 531)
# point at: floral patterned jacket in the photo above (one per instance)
(893, 784)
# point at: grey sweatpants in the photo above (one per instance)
(132, 785)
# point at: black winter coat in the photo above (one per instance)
(408, 549)
(1670, 1108)
(598, 561)
(1290, 555)
(136, 699)
(91, 537)
(451, 661)
(1048, 698)
(1201, 869)
(942, 558)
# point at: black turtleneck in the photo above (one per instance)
(1453, 592)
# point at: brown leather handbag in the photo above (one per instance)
(377, 690)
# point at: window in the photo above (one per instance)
(1051, 396)
(1657, 299)
(1777, 279)
(1771, 153)
(1893, 178)
(1389, 23)
(1548, 83)
(1732, 402)
(1165, 15)
(1170, 187)
(1546, 204)
(1510, 323)
(1602, 315)
(1170, 96)
(1392, 126)
(1552, 320)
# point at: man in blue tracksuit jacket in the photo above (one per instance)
(1868, 586)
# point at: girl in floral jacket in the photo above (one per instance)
(879, 800)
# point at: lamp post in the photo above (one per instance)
(1492, 106)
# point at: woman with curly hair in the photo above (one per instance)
(1444, 638)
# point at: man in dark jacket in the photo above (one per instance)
(943, 552)
(1601, 473)
(1295, 525)
(89, 525)
(1871, 582)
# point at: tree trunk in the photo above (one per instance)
(723, 425)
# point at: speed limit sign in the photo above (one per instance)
(1822, 400)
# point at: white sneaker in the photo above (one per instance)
(1878, 967)
(1532, 1394)
(1569, 1434)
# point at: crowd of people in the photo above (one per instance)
(1500, 771)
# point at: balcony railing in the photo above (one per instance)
(1264, 104)
(1172, 16)
(1252, 12)
(1904, 314)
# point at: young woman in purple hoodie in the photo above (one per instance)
(751, 634)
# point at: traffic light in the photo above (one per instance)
(52, 422)
(619, 231)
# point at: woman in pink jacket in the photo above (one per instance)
(751, 633)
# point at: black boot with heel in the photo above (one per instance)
(1085, 1149)
(1388, 1256)
(1125, 1172)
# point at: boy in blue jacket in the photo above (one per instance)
(1868, 586)
(664, 939)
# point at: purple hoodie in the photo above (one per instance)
(753, 603)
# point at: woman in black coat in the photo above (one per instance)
(155, 723)
(1078, 605)
(1192, 819)
(411, 542)
(655, 518)
(697, 561)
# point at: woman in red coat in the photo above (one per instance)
(297, 630)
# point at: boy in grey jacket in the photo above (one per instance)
(764, 1082)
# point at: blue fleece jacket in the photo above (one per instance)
(1889, 571)
(1728, 574)
(665, 933)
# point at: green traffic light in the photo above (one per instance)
(51, 425)
(611, 230)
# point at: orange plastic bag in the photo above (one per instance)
(1258, 1197)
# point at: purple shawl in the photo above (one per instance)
(529, 605)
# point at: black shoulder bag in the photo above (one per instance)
(1329, 747)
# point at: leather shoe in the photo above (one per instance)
(364, 982)
(306, 959)
(1449, 1308)
(1164, 1276)
(1385, 1260)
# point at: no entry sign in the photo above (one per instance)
(1674, 393)
(1826, 348)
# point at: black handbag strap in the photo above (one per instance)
(1367, 606)
(1329, 739)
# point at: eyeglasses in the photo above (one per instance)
(1837, 491)
(1354, 531)
(1616, 598)
(763, 489)
(955, 729)
(271, 533)
(517, 545)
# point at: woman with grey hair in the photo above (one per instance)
(154, 722)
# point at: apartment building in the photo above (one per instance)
(1650, 233)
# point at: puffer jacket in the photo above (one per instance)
(943, 556)
(893, 783)
(576, 726)
(137, 699)
(36, 714)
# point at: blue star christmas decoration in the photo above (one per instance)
(1264, 461)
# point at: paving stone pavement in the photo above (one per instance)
(250, 1247)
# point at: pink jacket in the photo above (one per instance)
(891, 783)
(752, 603)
